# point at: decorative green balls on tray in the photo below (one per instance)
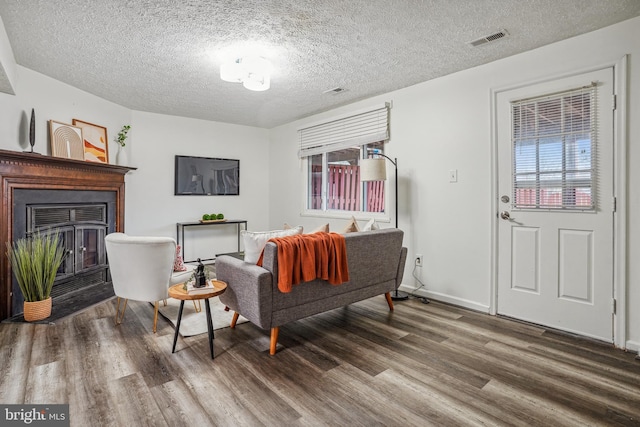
(212, 217)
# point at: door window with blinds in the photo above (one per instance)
(332, 151)
(554, 150)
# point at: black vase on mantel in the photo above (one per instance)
(32, 131)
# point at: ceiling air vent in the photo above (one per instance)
(491, 38)
(334, 91)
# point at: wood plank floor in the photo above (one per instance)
(361, 365)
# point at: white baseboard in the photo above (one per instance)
(633, 346)
(471, 305)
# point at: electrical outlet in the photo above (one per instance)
(419, 260)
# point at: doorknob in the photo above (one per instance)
(505, 215)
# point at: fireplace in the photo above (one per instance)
(82, 219)
(83, 201)
(82, 229)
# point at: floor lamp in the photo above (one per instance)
(375, 169)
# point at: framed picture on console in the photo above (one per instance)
(66, 140)
(94, 143)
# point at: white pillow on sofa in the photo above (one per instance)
(321, 228)
(324, 228)
(371, 225)
(351, 227)
(254, 241)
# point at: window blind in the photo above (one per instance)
(359, 129)
(554, 150)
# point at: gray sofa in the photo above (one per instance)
(376, 262)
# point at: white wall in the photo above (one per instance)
(445, 124)
(53, 100)
(7, 63)
(152, 208)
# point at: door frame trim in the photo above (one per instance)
(620, 148)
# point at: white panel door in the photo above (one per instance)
(555, 265)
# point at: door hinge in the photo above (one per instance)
(614, 102)
(615, 204)
(613, 305)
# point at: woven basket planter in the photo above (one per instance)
(37, 310)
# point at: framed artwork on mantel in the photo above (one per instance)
(66, 140)
(96, 148)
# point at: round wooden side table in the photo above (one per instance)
(178, 292)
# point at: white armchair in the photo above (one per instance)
(141, 269)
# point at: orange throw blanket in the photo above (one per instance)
(305, 257)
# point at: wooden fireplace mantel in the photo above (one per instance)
(37, 171)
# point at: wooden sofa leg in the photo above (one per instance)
(274, 340)
(234, 319)
(389, 300)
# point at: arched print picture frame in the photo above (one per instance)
(66, 140)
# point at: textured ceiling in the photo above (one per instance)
(163, 56)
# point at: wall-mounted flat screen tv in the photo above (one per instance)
(206, 176)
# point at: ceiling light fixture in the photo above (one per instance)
(254, 72)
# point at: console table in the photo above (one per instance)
(180, 226)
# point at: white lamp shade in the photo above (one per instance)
(373, 170)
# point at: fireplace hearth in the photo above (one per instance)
(84, 201)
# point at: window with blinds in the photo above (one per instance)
(554, 150)
(355, 130)
(333, 150)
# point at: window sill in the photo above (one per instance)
(359, 216)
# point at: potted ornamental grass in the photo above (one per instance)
(35, 261)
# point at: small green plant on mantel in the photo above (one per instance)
(35, 262)
(122, 135)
